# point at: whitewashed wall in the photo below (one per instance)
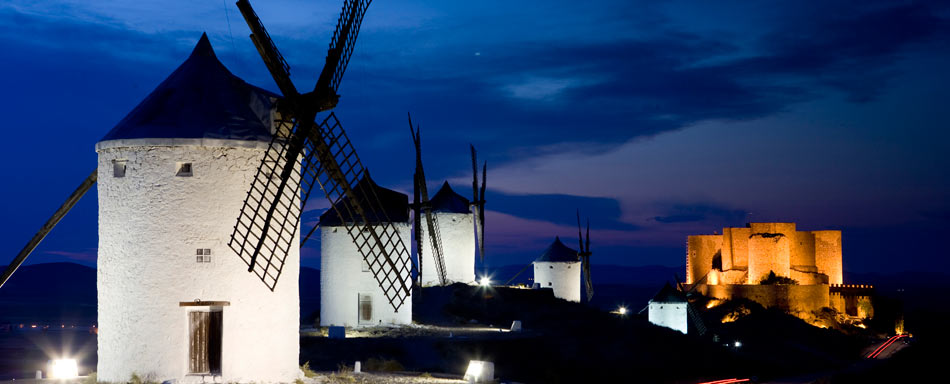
(458, 249)
(150, 224)
(670, 315)
(342, 280)
(563, 277)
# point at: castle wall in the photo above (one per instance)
(828, 255)
(770, 250)
(700, 251)
(151, 224)
(803, 252)
(737, 244)
(344, 277)
(563, 278)
(458, 249)
(798, 298)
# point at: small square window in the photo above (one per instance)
(118, 168)
(203, 255)
(364, 266)
(184, 170)
(549, 283)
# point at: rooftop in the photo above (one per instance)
(200, 99)
(559, 253)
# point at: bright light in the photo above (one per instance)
(737, 344)
(63, 369)
(622, 310)
(484, 281)
(480, 371)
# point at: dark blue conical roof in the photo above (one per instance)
(446, 200)
(395, 205)
(200, 99)
(558, 252)
(668, 294)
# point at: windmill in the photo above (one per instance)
(420, 200)
(478, 204)
(302, 154)
(583, 252)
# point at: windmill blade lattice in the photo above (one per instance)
(432, 221)
(267, 223)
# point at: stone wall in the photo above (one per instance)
(795, 298)
(700, 250)
(828, 255)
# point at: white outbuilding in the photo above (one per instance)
(669, 308)
(559, 268)
(350, 296)
(456, 230)
(175, 302)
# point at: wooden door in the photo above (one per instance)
(204, 350)
(365, 309)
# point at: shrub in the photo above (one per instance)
(383, 365)
(307, 372)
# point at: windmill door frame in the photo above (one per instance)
(204, 338)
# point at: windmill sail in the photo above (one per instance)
(584, 254)
(478, 204)
(267, 223)
(432, 221)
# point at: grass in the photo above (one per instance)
(383, 365)
(307, 372)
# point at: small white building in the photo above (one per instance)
(457, 234)
(350, 296)
(175, 302)
(669, 308)
(559, 268)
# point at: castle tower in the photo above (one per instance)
(458, 239)
(559, 268)
(175, 303)
(349, 293)
(668, 309)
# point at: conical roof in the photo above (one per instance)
(395, 205)
(559, 253)
(446, 200)
(668, 294)
(200, 99)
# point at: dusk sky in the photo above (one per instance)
(655, 119)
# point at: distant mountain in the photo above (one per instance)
(50, 293)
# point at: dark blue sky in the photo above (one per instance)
(657, 119)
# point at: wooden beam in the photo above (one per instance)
(199, 303)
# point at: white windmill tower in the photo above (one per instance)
(561, 268)
(455, 222)
(350, 295)
(171, 293)
(443, 228)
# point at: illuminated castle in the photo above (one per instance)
(777, 266)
